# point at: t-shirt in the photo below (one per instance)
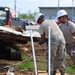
(54, 29)
(68, 29)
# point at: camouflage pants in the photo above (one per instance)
(58, 54)
(68, 50)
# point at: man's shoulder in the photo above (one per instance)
(70, 22)
(49, 20)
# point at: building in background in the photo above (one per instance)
(50, 12)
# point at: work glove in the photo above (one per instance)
(39, 42)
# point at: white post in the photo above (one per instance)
(49, 52)
(72, 8)
(15, 7)
(36, 73)
(58, 4)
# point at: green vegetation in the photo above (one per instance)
(29, 16)
(24, 57)
(70, 70)
(29, 65)
(26, 66)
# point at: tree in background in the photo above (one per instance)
(29, 16)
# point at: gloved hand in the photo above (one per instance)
(39, 42)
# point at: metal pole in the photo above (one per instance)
(15, 7)
(49, 53)
(72, 8)
(58, 4)
(36, 73)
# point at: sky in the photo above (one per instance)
(25, 6)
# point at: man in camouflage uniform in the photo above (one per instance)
(57, 43)
(68, 29)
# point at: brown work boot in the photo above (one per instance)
(62, 73)
(73, 66)
(54, 73)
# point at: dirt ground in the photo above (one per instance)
(40, 52)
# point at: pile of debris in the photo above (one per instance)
(11, 39)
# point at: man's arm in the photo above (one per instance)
(74, 34)
(74, 37)
(42, 41)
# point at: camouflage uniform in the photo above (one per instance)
(57, 45)
(68, 30)
(58, 54)
(68, 50)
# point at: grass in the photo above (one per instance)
(26, 66)
(24, 57)
(70, 69)
(29, 65)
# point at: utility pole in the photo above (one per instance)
(15, 7)
(58, 4)
(72, 8)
